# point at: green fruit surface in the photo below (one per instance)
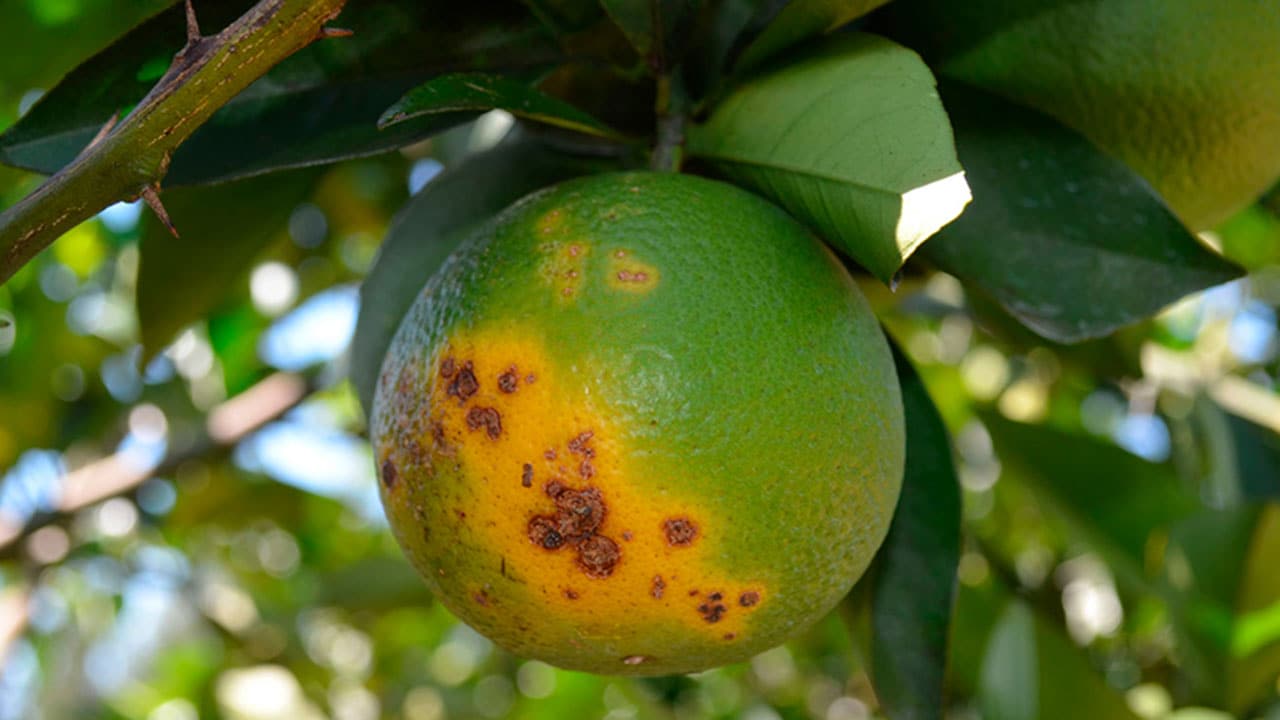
(640, 424)
(1184, 91)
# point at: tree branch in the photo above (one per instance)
(118, 474)
(129, 159)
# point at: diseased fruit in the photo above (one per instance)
(640, 424)
(1184, 92)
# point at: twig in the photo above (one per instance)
(132, 157)
(672, 111)
(118, 474)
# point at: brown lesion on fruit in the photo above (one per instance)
(487, 418)
(713, 608)
(749, 598)
(598, 555)
(482, 598)
(679, 531)
(389, 474)
(543, 532)
(570, 594)
(577, 520)
(463, 383)
(526, 476)
(509, 381)
(657, 587)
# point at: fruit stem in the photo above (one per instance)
(129, 158)
(671, 108)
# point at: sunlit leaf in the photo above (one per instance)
(320, 105)
(1069, 240)
(478, 92)
(427, 230)
(850, 138)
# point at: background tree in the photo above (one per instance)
(188, 516)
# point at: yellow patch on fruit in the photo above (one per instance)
(546, 487)
(564, 265)
(629, 274)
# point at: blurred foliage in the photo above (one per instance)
(1119, 496)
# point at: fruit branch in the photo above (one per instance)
(672, 111)
(130, 157)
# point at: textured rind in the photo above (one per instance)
(729, 374)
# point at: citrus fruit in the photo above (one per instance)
(1184, 92)
(639, 424)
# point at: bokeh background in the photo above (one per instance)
(198, 534)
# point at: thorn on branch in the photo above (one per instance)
(151, 194)
(103, 131)
(193, 27)
(334, 32)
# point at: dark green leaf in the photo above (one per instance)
(1069, 240)
(800, 20)
(636, 20)
(1115, 500)
(850, 138)
(913, 576)
(478, 92)
(320, 105)
(426, 231)
(223, 228)
(655, 28)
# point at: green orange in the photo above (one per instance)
(640, 424)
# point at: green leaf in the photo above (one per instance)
(800, 20)
(655, 28)
(635, 18)
(428, 228)
(912, 580)
(1031, 672)
(1224, 597)
(1069, 240)
(1115, 500)
(850, 138)
(318, 106)
(479, 92)
(222, 229)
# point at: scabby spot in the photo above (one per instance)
(578, 516)
(713, 609)
(487, 418)
(657, 587)
(679, 531)
(509, 381)
(463, 383)
(526, 476)
(749, 598)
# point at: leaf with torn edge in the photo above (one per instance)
(479, 92)
(852, 139)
